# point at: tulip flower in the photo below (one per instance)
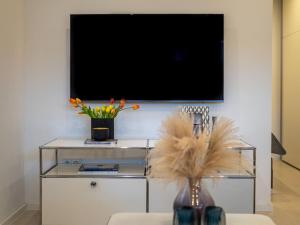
(112, 101)
(122, 103)
(135, 107)
(97, 108)
(72, 101)
(78, 101)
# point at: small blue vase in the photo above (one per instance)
(185, 216)
(213, 215)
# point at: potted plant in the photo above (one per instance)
(102, 116)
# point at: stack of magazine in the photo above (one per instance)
(99, 168)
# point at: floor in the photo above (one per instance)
(28, 218)
(285, 198)
(285, 195)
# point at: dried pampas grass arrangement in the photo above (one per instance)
(181, 154)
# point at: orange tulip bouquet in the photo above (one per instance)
(102, 117)
(101, 112)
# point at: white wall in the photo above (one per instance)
(11, 157)
(276, 66)
(248, 77)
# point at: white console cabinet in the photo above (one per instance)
(71, 197)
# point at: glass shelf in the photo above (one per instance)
(80, 144)
(118, 144)
(125, 170)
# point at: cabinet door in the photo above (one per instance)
(74, 201)
(233, 195)
(290, 98)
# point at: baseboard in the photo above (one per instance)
(276, 156)
(264, 207)
(290, 165)
(34, 207)
(11, 218)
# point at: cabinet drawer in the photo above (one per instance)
(234, 195)
(80, 201)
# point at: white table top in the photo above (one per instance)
(166, 219)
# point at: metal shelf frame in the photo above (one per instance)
(115, 146)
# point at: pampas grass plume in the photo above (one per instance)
(180, 154)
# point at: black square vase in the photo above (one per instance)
(103, 123)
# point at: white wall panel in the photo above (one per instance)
(248, 77)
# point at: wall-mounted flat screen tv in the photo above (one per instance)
(148, 57)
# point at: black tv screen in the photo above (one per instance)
(147, 57)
